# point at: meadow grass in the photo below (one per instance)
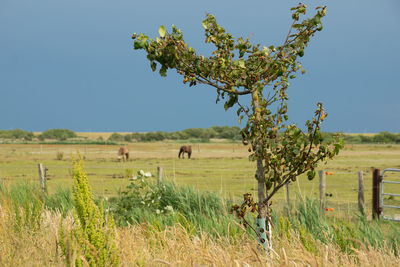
(200, 222)
(222, 168)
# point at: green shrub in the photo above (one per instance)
(128, 138)
(16, 134)
(57, 134)
(165, 204)
(116, 137)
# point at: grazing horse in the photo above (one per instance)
(123, 153)
(185, 149)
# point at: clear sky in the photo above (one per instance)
(71, 64)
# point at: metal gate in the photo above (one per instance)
(388, 194)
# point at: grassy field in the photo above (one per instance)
(308, 239)
(219, 167)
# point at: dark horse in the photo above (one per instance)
(123, 153)
(183, 150)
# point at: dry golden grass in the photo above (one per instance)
(142, 245)
(96, 135)
(91, 135)
(364, 134)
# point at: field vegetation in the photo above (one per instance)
(223, 168)
(193, 209)
(193, 229)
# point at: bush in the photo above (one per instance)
(116, 137)
(166, 204)
(153, 136)
(385, 137)
(232, 133)
(16, 134)
(57, 134)
(128, 138)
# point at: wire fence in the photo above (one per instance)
(341, 187)
(215, 168)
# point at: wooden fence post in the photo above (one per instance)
(42, 177)
(322, 189)
(159, 172)
(376, 182)
(361, 204)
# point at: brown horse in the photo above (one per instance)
(123, 153)
(185, 149)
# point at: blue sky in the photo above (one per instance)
(71, 64)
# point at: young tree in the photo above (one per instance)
(237, 68)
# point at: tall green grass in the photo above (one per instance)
(347, 233)
(200, 211)
(26, 201)
(194, 210)
(24, 204)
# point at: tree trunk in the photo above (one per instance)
(261, 189)
(261, 221)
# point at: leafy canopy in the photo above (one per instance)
(238, 67)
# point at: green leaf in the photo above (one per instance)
(137, 45)
(317, 19)
(240, 119)
(161, 31)
(311, 175)
(153, 66)
(163, 71)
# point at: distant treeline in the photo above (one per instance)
(382, 137)
(51, 136)
(233, 133)
(55, 134)
(66, 136)
(215, 132)
(16, 134)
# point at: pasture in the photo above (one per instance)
(218, 167)
(302, 238)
